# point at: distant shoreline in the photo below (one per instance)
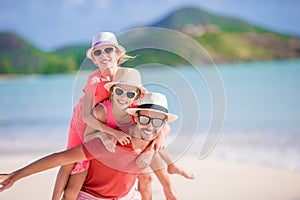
(8, 76)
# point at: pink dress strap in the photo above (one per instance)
(110, 119)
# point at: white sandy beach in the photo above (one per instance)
(215, 180)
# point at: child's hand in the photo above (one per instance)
(109, 142)
(144, 159)
(158, 143)
(122, 137)
(6, 181)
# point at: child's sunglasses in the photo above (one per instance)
(129, 94)
(107, 50)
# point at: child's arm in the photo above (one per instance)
(163, 178)
(108, 140)
(159, 142)
(45, 163)
(61, 181)
(90, 120)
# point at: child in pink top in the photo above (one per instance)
(106, 54)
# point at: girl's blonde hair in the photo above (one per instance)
(124, 58)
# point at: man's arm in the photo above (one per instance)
(62, 158)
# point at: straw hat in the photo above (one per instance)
(104, 38)
(153, 102)
(126, 76)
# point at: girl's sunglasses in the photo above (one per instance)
(129, 94)
(156, 122)
(107, 50)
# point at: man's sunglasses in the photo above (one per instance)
(129, 94)
(107, 50)
(156, 122)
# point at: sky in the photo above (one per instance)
(49, 25)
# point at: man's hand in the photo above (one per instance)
(6, 181)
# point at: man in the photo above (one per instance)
(112, 175)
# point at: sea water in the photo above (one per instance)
(260, 122)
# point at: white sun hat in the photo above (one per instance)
(126, 76)
(104, 38)
(156, 102)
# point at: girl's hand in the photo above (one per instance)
(158, 143)
(122, 137)
(6, 181)
(109, 142)
(144, 159)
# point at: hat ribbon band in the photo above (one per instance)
(154, 106)
(98, 43)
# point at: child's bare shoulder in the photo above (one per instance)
(99, 112)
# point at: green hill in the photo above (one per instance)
(225, 39)
(19, 57)
(198, 20)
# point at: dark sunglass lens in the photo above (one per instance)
(144, 120)
(131, 95)
(157, 122)
(97, 52)
(109, 50)
(118, 91)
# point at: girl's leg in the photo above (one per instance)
(172, 167)
(61, 181)
(74, 185)
(145, 185)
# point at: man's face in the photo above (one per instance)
(150, 123)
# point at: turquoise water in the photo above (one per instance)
(262, 123)
(263, 96)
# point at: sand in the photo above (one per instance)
(220, 180)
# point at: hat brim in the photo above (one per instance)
(108, 85)
(90, 50)
(171, 117)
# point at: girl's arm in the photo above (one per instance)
(61, 181)
(159, 142)
(90, 120)
(108, 140)
(45, 163)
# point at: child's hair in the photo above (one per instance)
(125, 58)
